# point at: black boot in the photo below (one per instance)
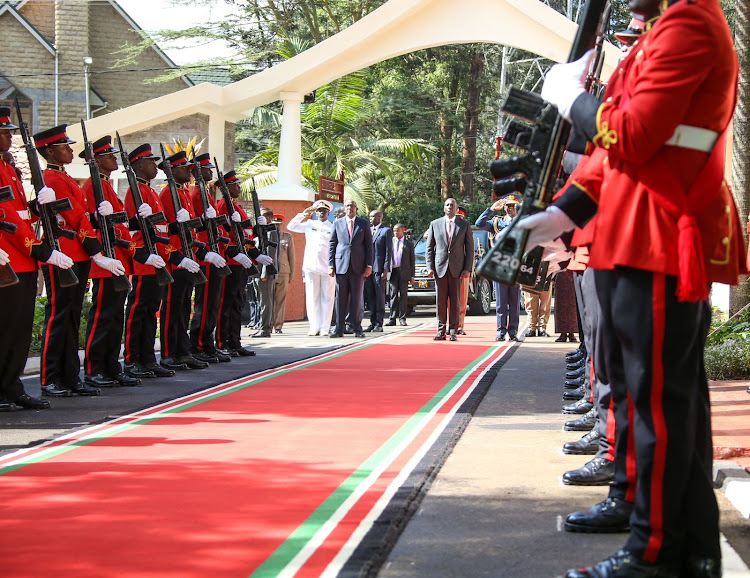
(597, 472)
(580, 407)
(574, 394)
(623, 564)
(611, 515)
(585, 423)
(587, 445)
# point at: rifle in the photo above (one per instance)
(237, 228)
(148, 224)
(507, 261)
(106, 224)
(212, 225)
(184, 229)
(47, 212)
(7, 275)
(261, 231)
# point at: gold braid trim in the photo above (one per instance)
(605, 137)
(84, 234)
(29, 243)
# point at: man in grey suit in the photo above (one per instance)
(350, 261)
(382, 242)
(402, 271)
(266, 282)
(449, 256)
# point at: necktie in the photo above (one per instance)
(351, 227)
(449, 228)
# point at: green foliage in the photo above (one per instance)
(38, 326)
(738, 328)
(728, 359)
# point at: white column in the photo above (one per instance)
(216, 142)
(288, 186)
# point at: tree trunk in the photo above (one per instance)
(471, 126)
(740, 294)
(446, 142)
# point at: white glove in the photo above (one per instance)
(183, 215)
(264, 260)
(112, 265)
(565, 82)
(215, 259)
(145, 210)
(45, 195)
(545, 226)
(210, 213)
(262, 220)
(155, 261)
(243, 260)
(4, 258)
(189, 265)
(105, 209)
(60, 260)
(236, 217)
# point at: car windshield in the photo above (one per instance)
(420, 247)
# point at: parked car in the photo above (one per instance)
(481, 291)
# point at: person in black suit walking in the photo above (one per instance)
(350, 261)
(450, 257)
(402, 271)
(382, 242)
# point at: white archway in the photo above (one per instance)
(397, 27)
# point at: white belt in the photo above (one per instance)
(161, 228)
(23, 215)
(692, 137)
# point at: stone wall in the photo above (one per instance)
(41, 15)
(72, 34)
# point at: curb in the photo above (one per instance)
(734, 481)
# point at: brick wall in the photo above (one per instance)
(72, 34)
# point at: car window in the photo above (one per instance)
(420, 247)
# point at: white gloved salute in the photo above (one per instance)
(261, 220)
(210, 213)
(114, 266)
(4, 258)
(545, 226)
(155, 261)
(243, 260)
(45, 195)
(564, 83)
(215, 259)
(183, 215)
(264, 260)
(105, 209)
(189, 265)
(145, 211)
(59, 260)
(236, 217)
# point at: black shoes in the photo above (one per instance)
(624, 564)
(192, 362)
(158, 370)
(83, 389)
(359, 334)
(580, 407)
(126, 380)
(378, 328)
(403, 322)
(512, 338)
(222, 356)
(391, 323)
(439, 337)
(25, 401)
(348, 329)
(500, 337)
(584, 423)
(452, 336)
(597, 472)
(701, 567)
(607, 517)
(370, 327)
(575, 365)
(243, 352)
(99, 380)
(530, 333)
(335, 334)
(278, 330)
(571, 375)
(140, 371)
(7, 406)
(574, 383)
(542, 333)
(172, 364)
(261, 334)
(204, 357)
(588, 445)
(574, 394)
(461, 332)
(55, 390)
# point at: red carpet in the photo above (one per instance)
(277, 474)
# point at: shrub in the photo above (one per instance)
(728, 359)
(38, 327)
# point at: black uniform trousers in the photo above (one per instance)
(399, 294)
(651, 347)
(104, 328)
(375, 296)
(206, 313)
(62, 319)
(349, 288)
(144, 301)
(448, 288)
(231, 304)
(18, 319)
(175, 315)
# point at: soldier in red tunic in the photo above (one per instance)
(23, 251)
(667, 227)
(60, 366)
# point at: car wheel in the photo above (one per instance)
(482, 305)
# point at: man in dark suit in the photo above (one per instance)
(382, 242)
(450, 257)
(350, 260)
(402, 271)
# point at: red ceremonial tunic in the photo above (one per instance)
(23, 242)
(150, 197)
(202, 236)
(125, 256)
(77, 219)
(175, 246)
(221, 209)
(651, 92)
